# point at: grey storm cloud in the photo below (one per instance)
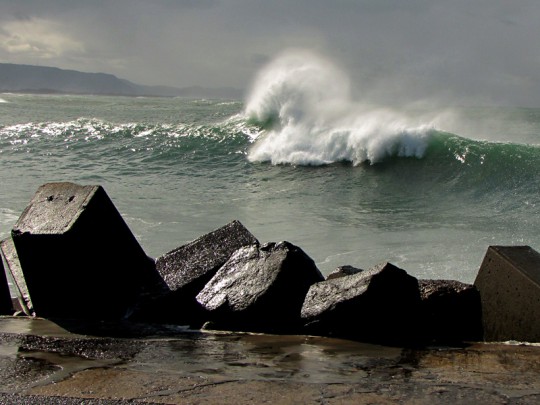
(486, 51)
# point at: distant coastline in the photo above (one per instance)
(29, 79)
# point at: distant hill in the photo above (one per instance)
(42, 79)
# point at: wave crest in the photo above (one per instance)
(302, 104)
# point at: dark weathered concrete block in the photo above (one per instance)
(378, 305)
(14, 271)
(201, 258)
(261, 288)
(5, 296)
(343, 271)
(187, 269)
(450, 311)
(509, 286)
(78, 256)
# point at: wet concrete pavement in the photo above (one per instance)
(44, 362)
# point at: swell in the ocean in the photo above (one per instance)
(429, 150)
(430, 202)
(302, 104)
(143, 139)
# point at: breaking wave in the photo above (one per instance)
(303, 105)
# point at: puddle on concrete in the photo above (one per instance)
(229, 355)
(22, 367)
(62, 366)
(37, 352)
(266, 357)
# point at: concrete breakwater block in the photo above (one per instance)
(79, 258)
(260, 288)
(380, 305)
(343, 271)
(509, 286)
(5, 296)
(450, 311)
(187, 269)
(13, 269)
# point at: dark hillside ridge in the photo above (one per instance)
(43, 79)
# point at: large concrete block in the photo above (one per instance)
(509, 286)
(261, 289)
(378, 305)
(5, 297)
(198, 261)
(78, 256)
(186, 270)
(450, 312)
(15, 274)
(343, 271)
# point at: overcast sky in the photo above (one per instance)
(454, 51)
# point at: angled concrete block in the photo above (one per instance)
(343, 271)
(261, 289)
(509, 285)
(5, 297)
(200, 259)
(79, 258)
(187, 269)
(15, 274)
(378, 305)
(450, 311)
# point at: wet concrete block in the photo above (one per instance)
(509, 286)
(378, 305)
(450, 312)
(204, 256)
(5, 296)
(187, 269)
(79, 258)
(14, 272)
(261, 289)
(343, 271)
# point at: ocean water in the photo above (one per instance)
(299, 159)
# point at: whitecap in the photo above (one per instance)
(303, 103)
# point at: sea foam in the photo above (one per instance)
(303, 104)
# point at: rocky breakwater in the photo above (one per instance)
(74, 258)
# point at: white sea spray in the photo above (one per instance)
(303, 103)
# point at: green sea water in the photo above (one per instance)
(351, 185)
